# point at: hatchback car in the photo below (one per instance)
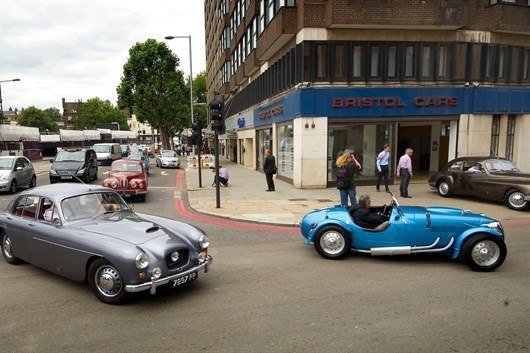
(141, 157)
(16, 171)
(167, 159)
(489, 178)
(74, 164)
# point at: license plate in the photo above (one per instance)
(126, 195)
(66, 177)
(185, 279)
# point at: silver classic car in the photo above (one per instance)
(88, 233)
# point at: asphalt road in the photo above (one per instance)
(266, 292)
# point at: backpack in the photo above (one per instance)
(343, 181)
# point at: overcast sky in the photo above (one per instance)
(76, 49)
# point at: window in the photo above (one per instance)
(356, 61)
(456, 167)
(254, 32)
(340, 62)
(30, 207)
(47, 210)
(489, 62)
(19, 206)
(426, 62)
(261, 16)
(460, 61)
(510, 137)
(270, 14)
(392, 61)
(442, 62)
(409, 61)
(321, 61)
(495, 129)
(374, 61)
(502, 63)
(526, 67)
(307, 61)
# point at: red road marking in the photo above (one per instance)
(181, 209)
(516, 223)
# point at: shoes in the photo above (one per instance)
(407, 197)
(268, 190)
(377, 189)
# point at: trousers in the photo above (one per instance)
(405, 179)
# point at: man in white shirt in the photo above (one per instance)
(223, 176)
(404, 169)
(382, 166)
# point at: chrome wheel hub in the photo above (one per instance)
(516, 199)
(444, 188)
(108, 281)
(7, 247)
(332, 242)
(485, 253)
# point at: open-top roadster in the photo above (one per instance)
(474, 238)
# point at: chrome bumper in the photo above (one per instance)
(132, 288)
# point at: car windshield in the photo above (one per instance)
(500, 165)
(6, 163)
(126, 166)
(123, 147)
(92, 205)
(136, 155)
(168, 154)
(102, 148)
(70, 156)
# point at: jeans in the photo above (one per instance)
(344, 197)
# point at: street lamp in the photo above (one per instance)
(1, 104)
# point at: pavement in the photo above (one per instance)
(245, 198)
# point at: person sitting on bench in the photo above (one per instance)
(363, 216)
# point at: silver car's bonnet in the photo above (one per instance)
(4, 173)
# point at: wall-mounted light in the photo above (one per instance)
(312, 123)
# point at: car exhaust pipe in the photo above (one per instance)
(407, 250)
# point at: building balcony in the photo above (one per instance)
(240, 75)
(251, 63)
(279, 31)
(518, 16)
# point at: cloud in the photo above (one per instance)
(77, 49)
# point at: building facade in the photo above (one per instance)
(310, 78)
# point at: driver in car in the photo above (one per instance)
(363, 216)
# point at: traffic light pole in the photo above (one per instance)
(199, 163)
(217, 190)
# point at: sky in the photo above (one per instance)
(76, 49)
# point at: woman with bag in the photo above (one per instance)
(269, 168)
(345, 179)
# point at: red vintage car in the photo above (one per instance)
(128, 178)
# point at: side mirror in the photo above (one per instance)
(51, 160)
(18, 168)
(56, 222)
(396, 218)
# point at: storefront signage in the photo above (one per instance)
(269, 113)
(393, 102)
(241, 122)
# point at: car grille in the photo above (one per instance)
(184, 255)
(65, 172)
(123, 183)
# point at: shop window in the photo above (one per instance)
(409, 61)
(340, 62)
(510, 137)
(356, 61)
(495, 130)
(392, 61)
(285, 151)
(374, 61)
(321, 61)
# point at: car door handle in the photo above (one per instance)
(31, 225)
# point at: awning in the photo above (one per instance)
(15, 133)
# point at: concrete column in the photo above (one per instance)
(453, 139)
(310, 153)
(474, 137)
(436, 129)
(503, 129)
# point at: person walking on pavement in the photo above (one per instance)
(404, 169)
(382, 167)
(346, 179)
(269, 167)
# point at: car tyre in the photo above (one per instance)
(515, 200)
(106, 282)
(13, 187)
(484, 252)
(6, 250)
(332, 242)
(142, 197)
(444, 189)
(87, 178)
(33, 182)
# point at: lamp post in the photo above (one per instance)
(191, 98)
(1, 102)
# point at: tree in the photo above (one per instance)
(199, 97)
(45, 120)
(97, 111)
(154, 88)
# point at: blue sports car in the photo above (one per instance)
(474, 238)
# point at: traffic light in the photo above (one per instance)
(197, 133)
(217, 114)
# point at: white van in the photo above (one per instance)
(107, 152)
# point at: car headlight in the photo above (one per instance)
(114, 185)
(175, 256)
(141, 261)
(497, 226)
(53, 172)
(157, 272)
(134, 184)
(204, 242)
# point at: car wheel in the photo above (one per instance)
(142, 197)
(106, 282)
(96, 175)
(515, 200)
(444, 189)
(332, 242)
(6, 251)
(13, 187)
(87, 178)
(33, 182)
(484, 252)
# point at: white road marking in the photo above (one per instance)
(161, 187)
(177, 195)
(107, 172)
(164, 173)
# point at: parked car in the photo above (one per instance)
(167, 158)
(476, 239)
(16, 171)
(74, 164)
(496, 179)
(107, 152)
(88, 233)
(141, 157)
(128, 177)
(125, 150)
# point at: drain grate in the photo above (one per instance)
(297, 200)
(324, 200)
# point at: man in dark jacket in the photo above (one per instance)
(363, 216)
(269, 168)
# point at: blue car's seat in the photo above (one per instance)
(379, 228)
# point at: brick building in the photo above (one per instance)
(71, 111)
(308, 78)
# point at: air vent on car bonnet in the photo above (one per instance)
(152, 229)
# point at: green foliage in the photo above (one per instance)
(199, 97)
(45, 120)
(154, 88)
(97, 111)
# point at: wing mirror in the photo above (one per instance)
(18, 168)
(51, 160)
(396, 218)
